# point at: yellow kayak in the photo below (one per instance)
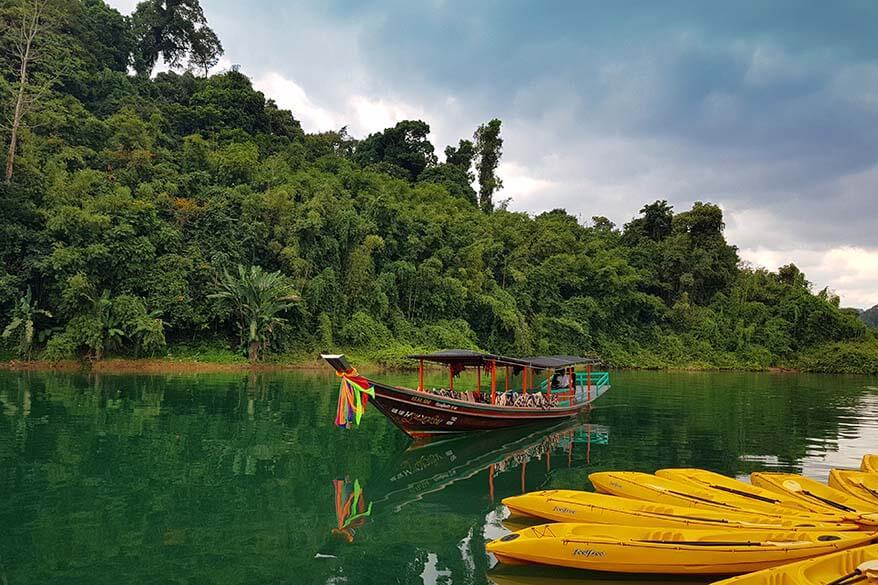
(813, 491)
(708, 479)
(858, 562)
(628, 549)
(592, 508)
(645, 486)
(546, 575)
(870, 463)
(858, 484)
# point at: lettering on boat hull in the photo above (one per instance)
(409, 417)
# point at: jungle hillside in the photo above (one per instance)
(185, 214)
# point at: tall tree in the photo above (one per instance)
(174, 30)
(105, 36)
(455, 173)
(206, 49)
(657, 220)
(462, 156)
(404, 146)
(30, 31)
(489, 148)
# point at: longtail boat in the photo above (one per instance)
(551, 389)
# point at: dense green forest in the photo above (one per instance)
(187, 214)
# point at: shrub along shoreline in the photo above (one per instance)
(835, 358)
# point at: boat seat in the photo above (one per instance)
(529, 400)
(466, 396)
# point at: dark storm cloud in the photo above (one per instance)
(762, 77)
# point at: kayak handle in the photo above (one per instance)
(829, 502)
(745, 494)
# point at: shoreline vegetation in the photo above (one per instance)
(220, 361)
(183, 220)
(191, 366)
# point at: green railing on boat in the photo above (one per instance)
(597, 379)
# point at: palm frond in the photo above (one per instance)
(257, 298)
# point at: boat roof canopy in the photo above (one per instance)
(468, 357)
(544, 362)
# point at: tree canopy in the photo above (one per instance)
(174, 30)
(132, 196)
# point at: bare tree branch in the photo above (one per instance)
(33, 25)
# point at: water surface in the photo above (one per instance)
(243, 478)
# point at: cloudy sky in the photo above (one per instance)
(769, 109)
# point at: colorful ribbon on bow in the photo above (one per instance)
(353, 394)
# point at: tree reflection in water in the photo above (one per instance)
(228, 478)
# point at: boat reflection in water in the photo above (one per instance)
(539, 575)
(505, 463)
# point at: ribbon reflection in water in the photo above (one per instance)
(455, 464)
(350, 508)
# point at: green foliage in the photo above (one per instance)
(454, 178)
(455, 174)
(60, 347)
(132, 194)
(843, 357)
(404, 146)
(257, 298)
(103, 323)
(106, 36)
(22, 322)
(205, 49)
(173, 31)
(324, 331)
(488, 149)
(362, 331)
(462, 156)
(234, 163)
(215, 351)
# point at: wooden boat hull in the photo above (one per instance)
(421, 414)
